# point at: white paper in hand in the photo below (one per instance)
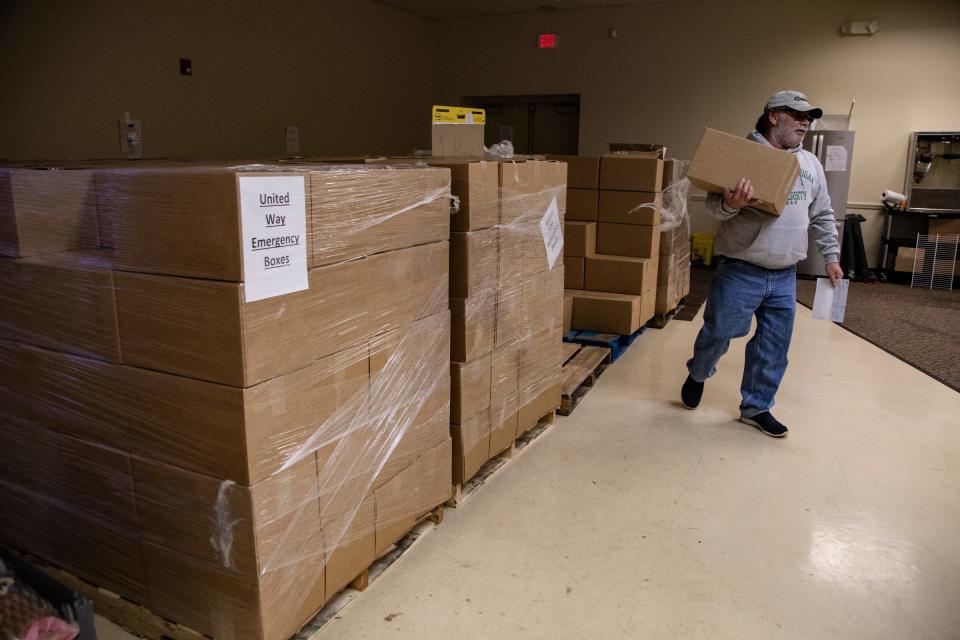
(830, 303)
(552, 232)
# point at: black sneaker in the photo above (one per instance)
(766, 423)
(691, 392)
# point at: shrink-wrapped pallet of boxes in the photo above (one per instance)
(242, 398)
(474, 241)
(506, 301)
(46, 210)
(673, 275)
(529, 321)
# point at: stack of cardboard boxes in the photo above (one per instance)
(673, 275)
(530, 193)
(506, 302)
(474, 242)
(673, 272)
(36, 219)
(228, 456)
(612, 242)
(506, 290)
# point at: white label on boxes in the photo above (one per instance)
(552, 232)
(836, 158)
(274, 214)
(829, 302)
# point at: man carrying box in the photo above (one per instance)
(756, 273)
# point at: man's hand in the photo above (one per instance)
(739, 196)
(835, 273)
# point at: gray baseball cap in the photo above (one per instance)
(792, 100)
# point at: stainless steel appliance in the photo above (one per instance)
(932, 182)
(834, 149)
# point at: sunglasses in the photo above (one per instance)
(799, 116)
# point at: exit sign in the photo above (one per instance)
(547, 41)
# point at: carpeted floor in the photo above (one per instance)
(919, 326)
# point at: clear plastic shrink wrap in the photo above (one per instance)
(474, 242)
(531, 192)
(229, 460)
(506, 301)
(46, 210)
(522, 370)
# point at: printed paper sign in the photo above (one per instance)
(830, 303)
(274, 214)
(836, 158)
(552, 232)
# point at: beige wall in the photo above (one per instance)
(677, 67)
(359, 77)
(352, 74)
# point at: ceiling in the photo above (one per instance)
(438, 9)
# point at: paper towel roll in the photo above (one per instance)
(892, 197)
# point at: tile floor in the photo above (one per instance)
(637, 518)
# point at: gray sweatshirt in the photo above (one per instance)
(780, 241)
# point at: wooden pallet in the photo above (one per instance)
(133, 617)
(463, 491)
(618, 344)
(141, 621)
(580, 373)
(427, 523)
(660, 320)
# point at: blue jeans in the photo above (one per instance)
(739, 291)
